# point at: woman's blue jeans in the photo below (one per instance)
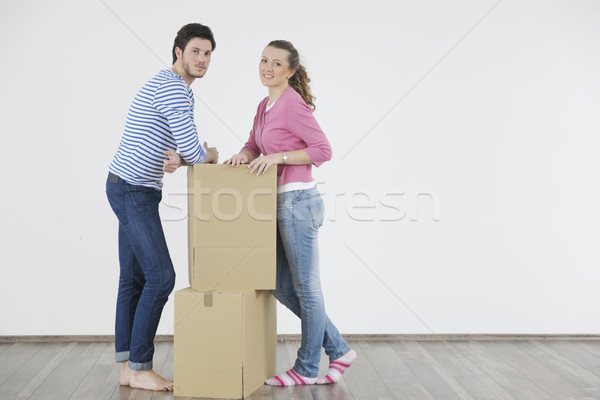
(147, 276)
(300, 214)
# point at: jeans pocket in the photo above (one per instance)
(317, 211)
(144, 197)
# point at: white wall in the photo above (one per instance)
(463, 196)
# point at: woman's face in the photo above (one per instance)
(274, 69)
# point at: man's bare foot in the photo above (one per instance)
(125, 374)
(149, 380)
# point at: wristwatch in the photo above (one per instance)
(285, 157)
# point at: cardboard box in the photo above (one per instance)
(232, 224)
(225, 342)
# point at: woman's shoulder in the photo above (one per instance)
(292, 99)
(290, 94)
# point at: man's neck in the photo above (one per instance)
(179, 71)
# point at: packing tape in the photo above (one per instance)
(208, 299)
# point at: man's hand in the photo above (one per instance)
(172, 162)
(212, 155)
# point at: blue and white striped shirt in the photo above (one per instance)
(160, 118)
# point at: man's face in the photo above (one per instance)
(195, 59)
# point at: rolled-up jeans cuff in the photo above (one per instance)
(339, 354)
(122, 356)
(140, 366)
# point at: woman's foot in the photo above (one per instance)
(148, 380)
(290, 378)
(337, 368)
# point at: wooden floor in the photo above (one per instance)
(407, 369)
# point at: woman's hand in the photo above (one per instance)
(237, 159)
(262, 164)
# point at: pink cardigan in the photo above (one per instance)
(289, 125)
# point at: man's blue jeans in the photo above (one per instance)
(147, 276)
(300, 214)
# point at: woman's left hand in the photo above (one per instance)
(263, 163)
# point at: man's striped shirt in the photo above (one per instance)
(160, 118)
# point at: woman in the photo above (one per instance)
(287, 134)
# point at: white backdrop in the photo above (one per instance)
(463, 196)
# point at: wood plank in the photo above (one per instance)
(517, 380)
(121, 393)
(64, 379)
(592, 346)
(334, 391)
(102, 379)
(464, 372)
(584, 356)
(14, 357)
(536, 371)
(4, 347)
(483, 373)
(262, 393)
(429, 372)
(511, 370)
(498, 371)
(584, 353)
(362, 379)
(35, 370)
(399, 379)
(512, 379)
(568, 368)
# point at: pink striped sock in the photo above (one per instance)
(290, 378)
(337, 368)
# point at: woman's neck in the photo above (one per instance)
(275, 92)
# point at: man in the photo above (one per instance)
(160, 121)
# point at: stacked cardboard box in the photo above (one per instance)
(225, 323)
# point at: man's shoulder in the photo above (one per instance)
(168, 83)
(166, 77)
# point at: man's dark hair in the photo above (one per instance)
(190, 31)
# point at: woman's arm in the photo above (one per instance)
(302, 123)
(295, 157)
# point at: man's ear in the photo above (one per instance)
(178, 53)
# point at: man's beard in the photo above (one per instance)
(193, 72)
